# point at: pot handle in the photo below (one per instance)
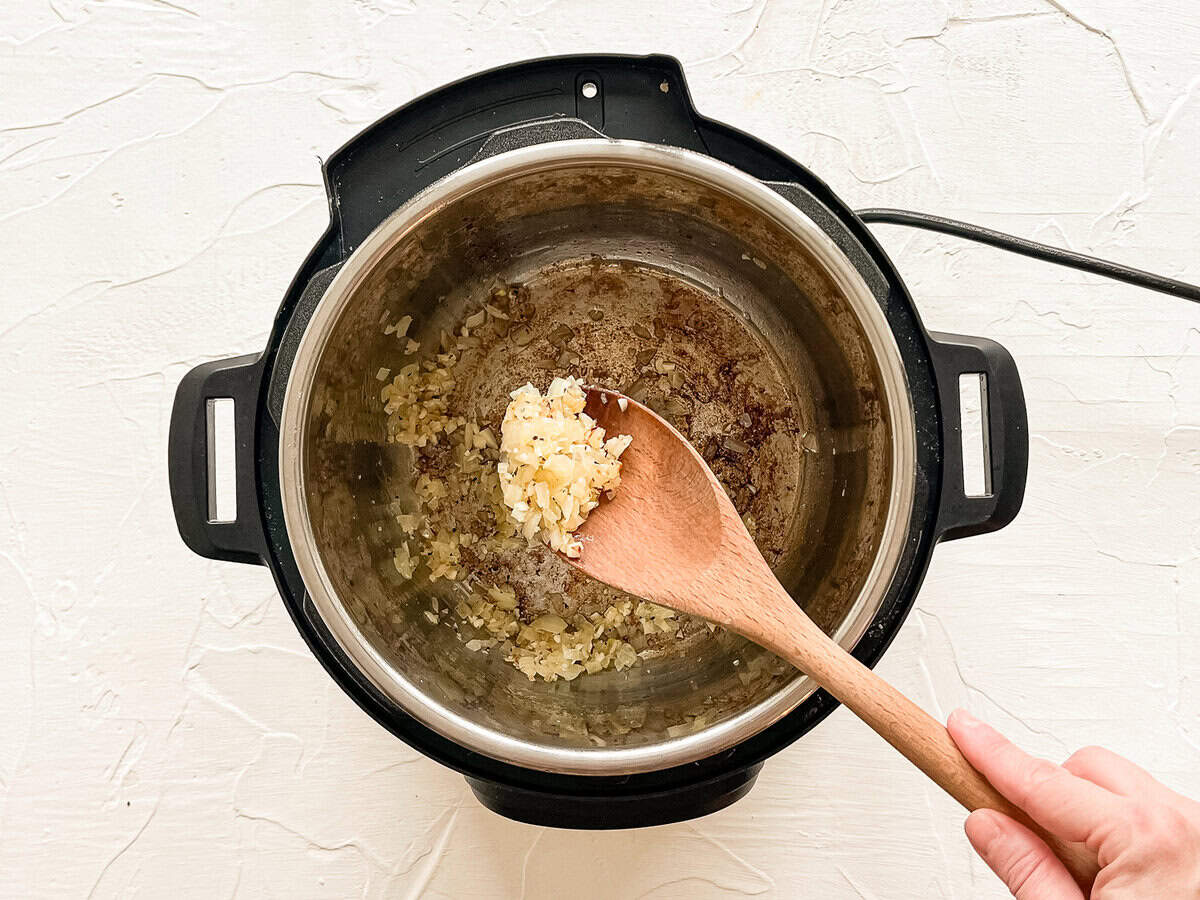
(191, 460)
(1005, 433)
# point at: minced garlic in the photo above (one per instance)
(555, 462)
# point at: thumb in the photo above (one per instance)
(1020, 858)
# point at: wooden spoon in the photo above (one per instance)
(672, 536)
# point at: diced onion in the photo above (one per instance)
(555, 462)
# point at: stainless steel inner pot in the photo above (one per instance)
(780, 338)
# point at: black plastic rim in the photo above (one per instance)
(411, 148)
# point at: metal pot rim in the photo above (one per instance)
(454, 187)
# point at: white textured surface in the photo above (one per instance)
(165, 732)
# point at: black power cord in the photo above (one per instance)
(1033, 249)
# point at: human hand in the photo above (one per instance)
(1145, 836)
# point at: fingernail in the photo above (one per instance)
(982, 828)
(964, 719)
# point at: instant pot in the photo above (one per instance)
(537, 171)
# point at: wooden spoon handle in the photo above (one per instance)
(911, 730)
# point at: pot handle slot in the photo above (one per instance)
(1005, 435)
(192, 457)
